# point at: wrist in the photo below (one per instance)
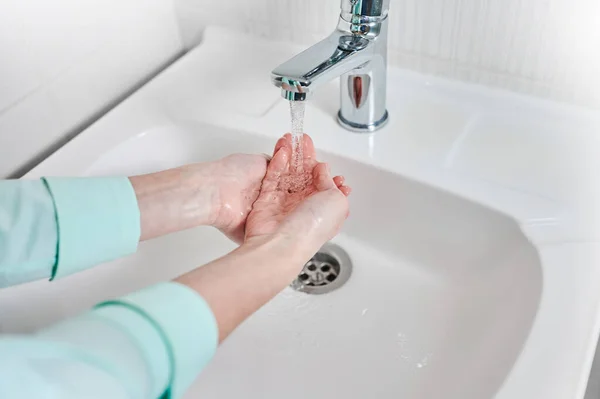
(203, 193)
(174, 200)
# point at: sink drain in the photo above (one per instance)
(328, 270)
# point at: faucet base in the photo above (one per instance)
(362, 128)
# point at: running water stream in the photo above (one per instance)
(297, 112)
(298, 179)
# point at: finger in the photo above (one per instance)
(322, 177)
(278, 164)
(288, 141)
(282, 142)
(339, 180)
(308, 147)
(345, 190)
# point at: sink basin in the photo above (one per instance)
(474, 264)
(447, 291)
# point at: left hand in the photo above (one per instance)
(219, 193)
(238, 179)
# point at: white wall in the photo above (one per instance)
(63, 61)
(549, 48)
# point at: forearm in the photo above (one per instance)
(175, 199)
(238, 284)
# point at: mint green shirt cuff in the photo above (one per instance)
(184, 321)
(28, 234)
(110, 341)
(98, 220)
(150, 344)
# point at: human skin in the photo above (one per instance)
(282, 232)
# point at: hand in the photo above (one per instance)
(238, 179)
(294, 215)
(219, 194)
(306, 206)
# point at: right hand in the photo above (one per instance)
(305, 208)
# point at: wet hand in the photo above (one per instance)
(307, 206)
(237, 179)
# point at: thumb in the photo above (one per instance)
(322, 177)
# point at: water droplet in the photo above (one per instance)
(364, 312)
(402, 338)
(425, 361)
(401, 342)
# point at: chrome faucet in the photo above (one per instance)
(357, 53)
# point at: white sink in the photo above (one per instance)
(448, 280)
(436, 280)
(468, 283)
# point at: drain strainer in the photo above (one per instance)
(328, 270)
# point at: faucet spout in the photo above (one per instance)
(357, 53)
(319, 64)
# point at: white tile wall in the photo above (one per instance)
(549, 48)
(63, 61)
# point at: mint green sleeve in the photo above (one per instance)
(58, 226)
(150, 344)
(28, 233)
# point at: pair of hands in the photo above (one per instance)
(280, 215)
(254, 201)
